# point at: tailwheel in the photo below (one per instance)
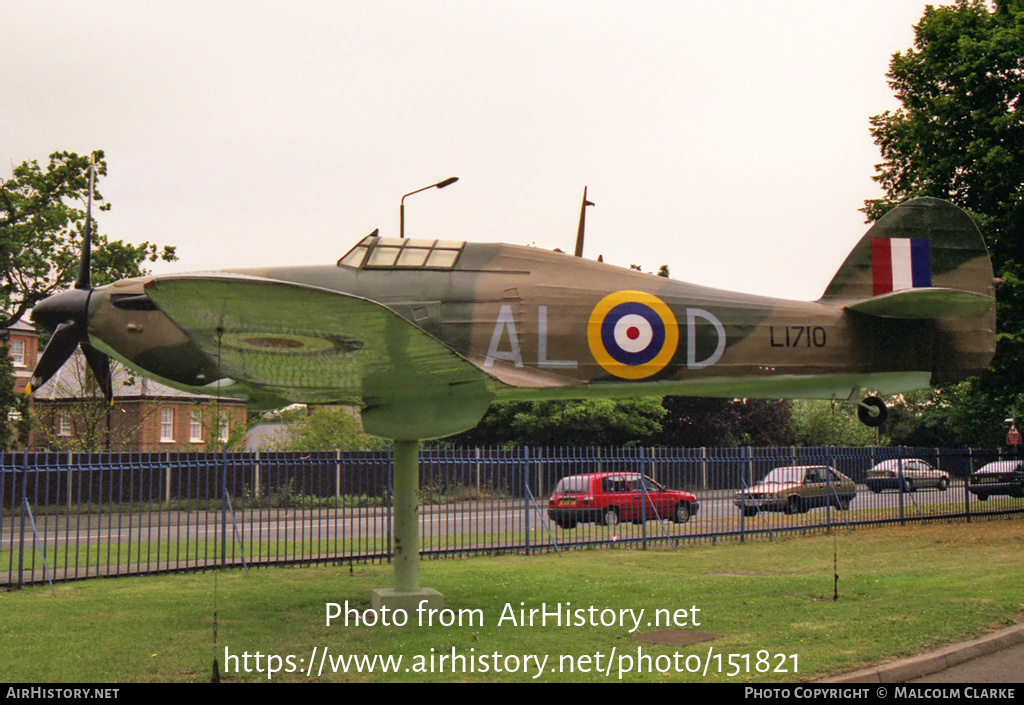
(871, 411)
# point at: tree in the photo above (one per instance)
(42, 218)
(325, 428)
(589, 422)
(953, 416)
(662, 270)
(699, 422)
(15, 423)
(818, 422)
(959, 135)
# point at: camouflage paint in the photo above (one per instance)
(424, 351)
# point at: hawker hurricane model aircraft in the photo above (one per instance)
(423, 335)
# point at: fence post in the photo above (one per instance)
(967, 480)
(255, 479)
(24, 500)
(744, 485)
(644, 499)
(743, 491)
(526, 495)
(167, 484)
(704, 468)
(901, 484)
(223, 505)
(828, 487)
(69, 485)
(541, 473)
(390, 509)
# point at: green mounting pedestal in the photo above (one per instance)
(406, 593)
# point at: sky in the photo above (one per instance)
(729, 141)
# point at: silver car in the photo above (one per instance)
(914, 475)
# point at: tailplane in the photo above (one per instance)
(930, 302)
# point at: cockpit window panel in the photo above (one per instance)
(383, 256)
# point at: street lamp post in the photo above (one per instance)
(401, 211)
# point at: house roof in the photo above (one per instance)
(23, 328)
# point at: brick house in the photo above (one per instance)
(70, 414)
(23, 345)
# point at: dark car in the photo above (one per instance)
(612, 497)
(1001, 477)
(916, 475)
(797, 488)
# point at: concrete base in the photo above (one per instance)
(408, 600)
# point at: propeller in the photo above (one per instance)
(67, 315)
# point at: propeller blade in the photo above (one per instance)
(99, 363)
(84, 279)
(67, 315)
(62, 344)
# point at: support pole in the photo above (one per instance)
(407, 529)
(406, 593)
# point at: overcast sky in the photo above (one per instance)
(727, 140)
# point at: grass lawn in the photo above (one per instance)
(901, 591)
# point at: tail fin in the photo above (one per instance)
(924, 259)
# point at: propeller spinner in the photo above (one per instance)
(66, 315)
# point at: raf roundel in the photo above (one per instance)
(632, 334)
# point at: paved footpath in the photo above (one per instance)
(995, 658)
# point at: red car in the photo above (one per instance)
(611, 497)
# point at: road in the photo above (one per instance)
(1003, 666)
(491, 519)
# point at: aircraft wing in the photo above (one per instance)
(315, 345)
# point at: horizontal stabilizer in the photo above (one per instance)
(929, 302)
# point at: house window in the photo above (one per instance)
(195, 426)
(64, 423)
(166, 425)
(18, 352)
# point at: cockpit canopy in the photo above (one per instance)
(374, 252)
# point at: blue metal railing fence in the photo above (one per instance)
(98, 514)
